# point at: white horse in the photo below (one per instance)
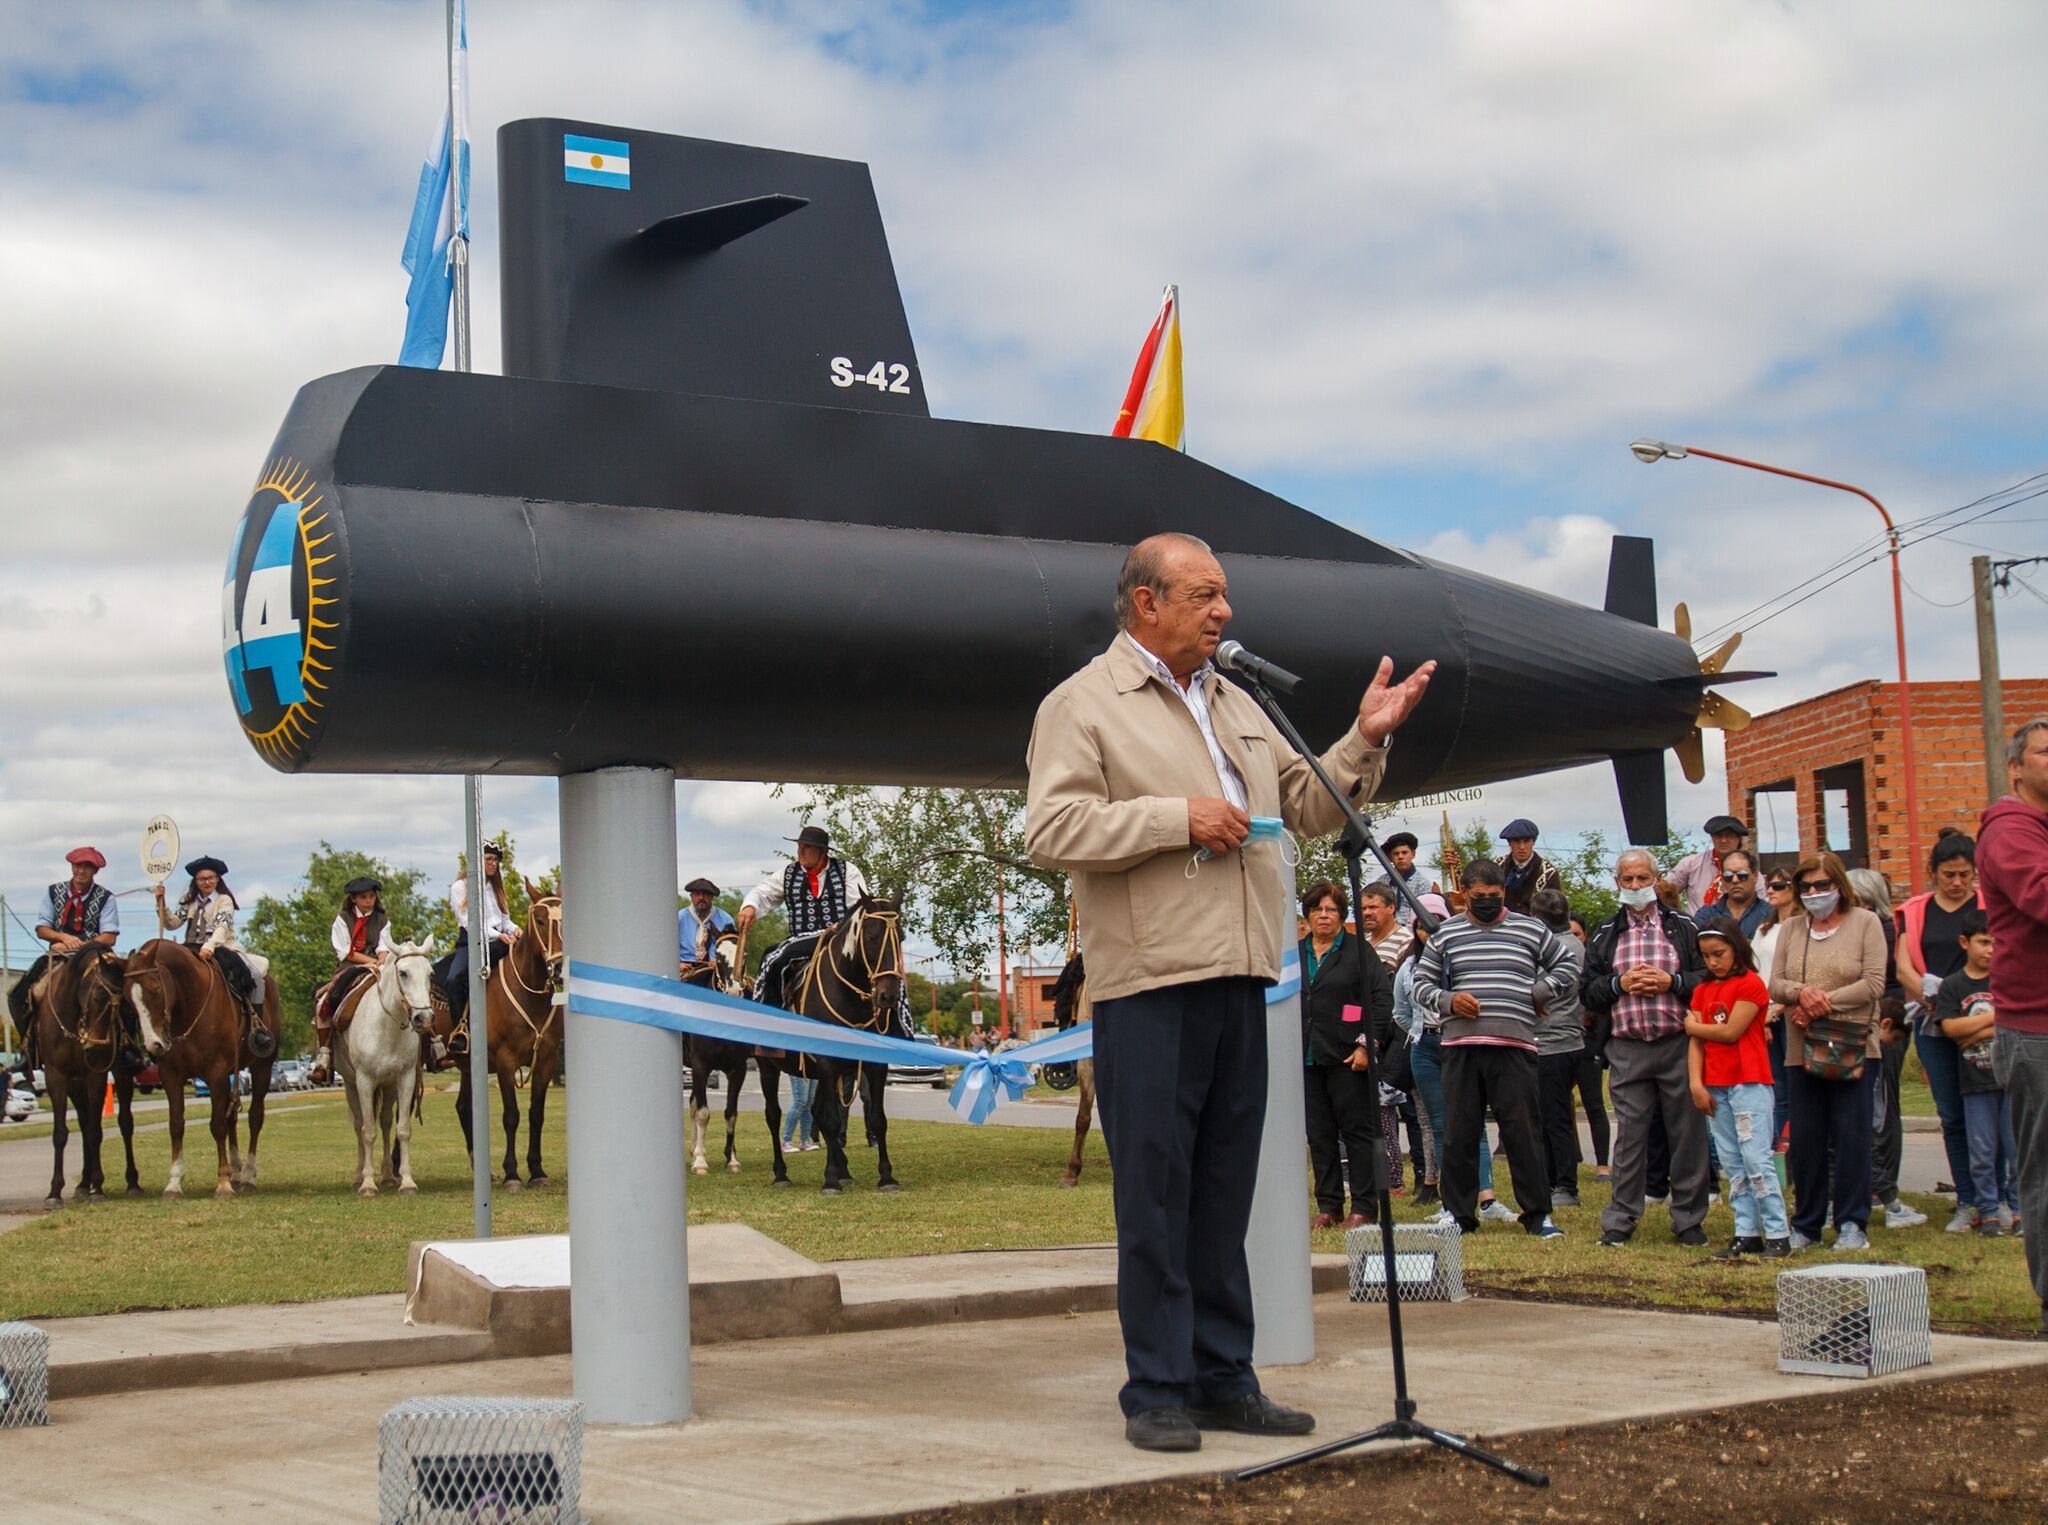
(378, 1060)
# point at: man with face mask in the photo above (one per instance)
(1481, 981)
(1641, 969)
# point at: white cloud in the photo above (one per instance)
(1480, 238)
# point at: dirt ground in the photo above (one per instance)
(1974, 1449)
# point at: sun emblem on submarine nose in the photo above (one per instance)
(279, 615)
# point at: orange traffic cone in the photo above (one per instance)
(108, 1109)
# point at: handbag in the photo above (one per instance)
(1833, 1046)
(1397, 1062)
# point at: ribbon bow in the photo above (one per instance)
(985, 1079)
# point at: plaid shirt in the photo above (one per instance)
(1643, 942)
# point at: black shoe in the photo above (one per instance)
(1738, 1247)
(1167, 1429)
(1777, 1249)
(1693, 1237)
(1253, 1414)
(1424, 1195)
(1614, 1238)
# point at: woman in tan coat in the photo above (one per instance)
(1827, 974)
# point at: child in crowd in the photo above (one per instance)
(1963, 1007)
(1728, 1062)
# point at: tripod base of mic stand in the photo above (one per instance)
(1407, 1427)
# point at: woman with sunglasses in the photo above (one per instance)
(1930, 950)
(1827, 976)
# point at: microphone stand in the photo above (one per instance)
(1356, 841)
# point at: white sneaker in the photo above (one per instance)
(1441, 1218)
(2008, 1220)
(1798, 1241)
(1713, 1197)
(1655, 1201)
(1497, 1211)
(1852, 1238)
(1899, 1215)
(1964, 1222)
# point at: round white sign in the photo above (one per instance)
(159, 848)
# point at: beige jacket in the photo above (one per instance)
(1115, 757)
(1848, 964)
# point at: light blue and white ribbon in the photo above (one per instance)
(986, 1078)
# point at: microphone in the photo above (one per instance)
(1232, 657)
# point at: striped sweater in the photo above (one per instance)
(1502, 964)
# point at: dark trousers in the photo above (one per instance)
(1556, 1078)
(1889, 1146)
(1589, 1076)
(1478, 1076)
(1829, 1115)
(1180, 1082)
(1342, 1104)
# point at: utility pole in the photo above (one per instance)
(6, 967)
(1988, 681)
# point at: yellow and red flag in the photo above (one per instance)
(1153, 407)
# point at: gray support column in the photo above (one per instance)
(1277, 1242)
(629, 1280)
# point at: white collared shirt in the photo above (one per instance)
(1196, 697)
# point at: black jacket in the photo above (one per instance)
(1326, 1037)
(1542, 874)
(1601, 986)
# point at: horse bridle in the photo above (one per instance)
(95, 979)
(877, 964)
(160, 974)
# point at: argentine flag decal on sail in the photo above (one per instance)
(597, 161)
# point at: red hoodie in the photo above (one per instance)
(2012, 869)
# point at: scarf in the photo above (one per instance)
(72, 918)
(1713, 893)
(1518, 873)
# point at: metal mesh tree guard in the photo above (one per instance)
(1853, 1320)
(1429, 1263)
(480, 1461)
(24, 1375)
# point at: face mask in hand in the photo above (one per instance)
(1639, 897)
(1820, 907)
(1484, 907)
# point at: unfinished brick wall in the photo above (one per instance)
(1850, 738)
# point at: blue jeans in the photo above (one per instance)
(1942, 1061)
(798, 1117)
(1741, 1124)
(1987, 1117)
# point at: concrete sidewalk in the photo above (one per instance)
(870, 1423)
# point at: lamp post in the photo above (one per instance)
(1650, 451)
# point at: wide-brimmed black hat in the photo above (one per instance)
(1520, 829)
(700, 886)
(813, 836)
(362, 884)
(495, 850)
(1721, 823)
(204, 863)
(1401, 839)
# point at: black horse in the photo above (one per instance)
(854, 978)
(721, 972)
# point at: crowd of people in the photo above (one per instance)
(1743, 1025)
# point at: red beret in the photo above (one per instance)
(90, 855)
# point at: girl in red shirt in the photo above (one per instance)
(1729, 1064)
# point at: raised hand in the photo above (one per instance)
(1386, 703)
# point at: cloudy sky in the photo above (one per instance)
(1439, 263)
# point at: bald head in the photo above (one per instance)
(1174, 600)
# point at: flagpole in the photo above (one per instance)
(478, 1083)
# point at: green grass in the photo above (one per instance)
(305, 1235)
(1975, 1285)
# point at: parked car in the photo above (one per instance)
(149, 1078)
(291, 1075)
(19, 1105)
(919, 1074)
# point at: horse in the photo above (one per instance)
(192, 1026)
(1070, 1006)
(855, 979)
(78, 1036)
(377, 1056)
(523, 1029)
(722, 972)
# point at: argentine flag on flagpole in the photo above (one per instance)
(438, 218)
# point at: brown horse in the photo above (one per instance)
(722, 972)
(192, 1026)
(78, 1035)
(1070, 1007)
(524, 1030)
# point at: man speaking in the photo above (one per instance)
(1137, 761)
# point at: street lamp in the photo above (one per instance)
(1650, 451)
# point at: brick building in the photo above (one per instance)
(1031, 987)
(1836, 758)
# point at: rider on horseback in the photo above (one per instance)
(699, 923)
(815, 892)
(76, 916)
(207, 913)
(500, 931)
(360, 935)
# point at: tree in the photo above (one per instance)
(293, 932)
(941, 853)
